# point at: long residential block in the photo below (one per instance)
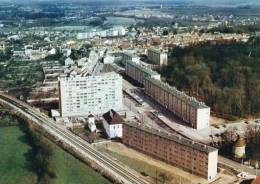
(139, 72)
(196, 114)
(186, 154)
(157, 57)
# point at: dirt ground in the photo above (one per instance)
(147, 165)
(217, 121)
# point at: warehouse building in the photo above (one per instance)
(82, 95)
(187, 108)
(186, 154)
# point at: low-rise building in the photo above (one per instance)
(81, 62)
(109, 59)
(112, 123)
(69, 61)
(91, 123)
(178, 151)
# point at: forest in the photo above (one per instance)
(226, 76)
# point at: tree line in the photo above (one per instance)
(224, 75)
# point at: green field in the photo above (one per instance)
(13, 161)
(14, 165)
(69, 170)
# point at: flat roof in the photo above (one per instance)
(158, 51)
(179, 94)
(79, 77)
(143, 68)
(173, 137)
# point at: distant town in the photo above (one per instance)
(152, 92)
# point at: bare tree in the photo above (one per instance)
(230, 135)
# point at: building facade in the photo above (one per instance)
(128, 56)
(157, 57)
(196, 114)
(80, 96)
(139, 73)
(186, 154)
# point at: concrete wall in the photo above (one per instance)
(212, 165)
(203, 116)
(113, 130)
(157, 57)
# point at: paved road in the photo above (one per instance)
(236, 166)
(120, 171)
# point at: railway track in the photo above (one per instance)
(121, 170)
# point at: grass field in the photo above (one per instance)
(13, 162)
(71, 171)
(12, 157)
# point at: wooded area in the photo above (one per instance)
(224, 75)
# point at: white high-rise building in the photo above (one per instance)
(80, 96)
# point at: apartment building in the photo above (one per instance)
(139, 72)
(128, 56)
(187, 108)
(178, 151)
(113, 32)
(157, 57)
(80, 96)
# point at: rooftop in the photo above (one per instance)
(181, 95)
(91, 116)
(158, 51)
(143, 68)
(176, 138)
(113, 117)
(93, 77)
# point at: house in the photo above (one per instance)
(69, 61)
(112, 123)
(82, 61)
(109, 59)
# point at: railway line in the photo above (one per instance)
(127, 175)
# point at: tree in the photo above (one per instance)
(220, 74)
(230, 135)
(165, 32)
